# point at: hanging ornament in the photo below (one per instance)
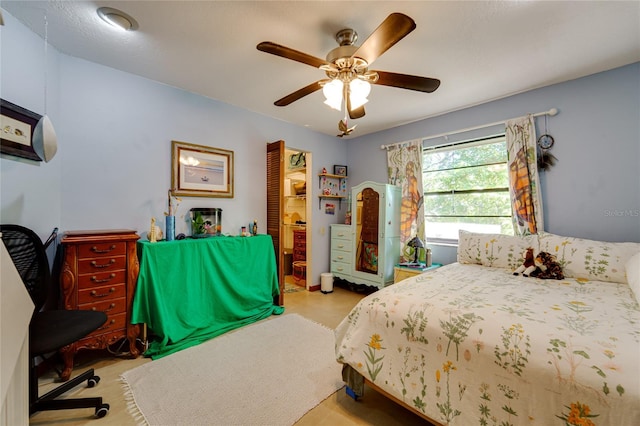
(45, 142)
(546, 160)
(343, 125)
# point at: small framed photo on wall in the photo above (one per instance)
(340, 170)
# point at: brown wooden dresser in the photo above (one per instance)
(299, 255)
(99, 272)
(299, 245)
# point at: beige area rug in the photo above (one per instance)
(268, 373)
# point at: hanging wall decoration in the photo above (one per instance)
(545, 142)
(201, 171)
(17, 126)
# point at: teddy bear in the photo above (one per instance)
(528, 265)
(547, 268)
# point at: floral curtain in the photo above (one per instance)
(404, 162)
(524, 183)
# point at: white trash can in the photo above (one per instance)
(326, 282)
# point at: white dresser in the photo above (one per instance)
(366, 251)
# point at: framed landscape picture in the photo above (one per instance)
(201, 171)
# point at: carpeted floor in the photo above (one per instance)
(290, 354)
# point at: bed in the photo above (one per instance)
(470, 343)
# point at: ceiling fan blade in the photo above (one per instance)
(405, 81)
(288, 53)
(393, 29)
(307, 90)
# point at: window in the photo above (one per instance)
(466, 186)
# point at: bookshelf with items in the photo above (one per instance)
(332, 186)
(295, 198)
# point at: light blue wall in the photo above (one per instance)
(29, 191)
(113, 166)
(115, 130)
(594, 189)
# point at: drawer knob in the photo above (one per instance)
(96, 294)
(340, 245)
(96, 280)
(106, 265)
(96, 250)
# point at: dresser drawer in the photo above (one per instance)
(341, 233)
(97, 294)
(106, 249)
(111, 263)
(114, 322)
(101, 279)
(340, 256)
(340, 268)
(342, 245)
(111, 306)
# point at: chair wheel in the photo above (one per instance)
(91, 382)
(102, 411)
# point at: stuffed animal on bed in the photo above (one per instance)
(547, 268)
(528, 265)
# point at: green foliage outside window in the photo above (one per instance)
(467, 188)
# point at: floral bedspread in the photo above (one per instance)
(475, 345)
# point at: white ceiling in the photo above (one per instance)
(480, 50)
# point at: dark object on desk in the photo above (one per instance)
(180, 237)
(416, 265)
(51, 330)
(416, 243)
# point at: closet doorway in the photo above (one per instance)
(289, 214)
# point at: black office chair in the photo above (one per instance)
(50, 330)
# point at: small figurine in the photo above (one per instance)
(152, 231)
(324, 170)
(254, 230)
(344, 129)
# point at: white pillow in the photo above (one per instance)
(589, 259)
(496, 250)
(633, 275)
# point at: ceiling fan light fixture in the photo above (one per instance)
(333, 93)
(358, 92)
(117, 19)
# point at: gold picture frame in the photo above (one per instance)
(201, 171)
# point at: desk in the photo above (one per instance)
(402, 272)
(192, 290)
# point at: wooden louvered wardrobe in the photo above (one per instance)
(289, 209)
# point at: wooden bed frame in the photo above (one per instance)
(370, 384)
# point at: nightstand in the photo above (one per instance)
(402, 272)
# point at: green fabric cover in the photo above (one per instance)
(192, 290)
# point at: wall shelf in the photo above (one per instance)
(336, 189)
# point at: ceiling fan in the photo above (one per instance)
(347, 67)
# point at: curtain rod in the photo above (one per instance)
(551, 112)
